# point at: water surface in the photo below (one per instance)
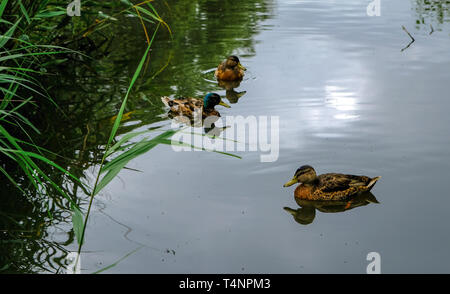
(348, 99)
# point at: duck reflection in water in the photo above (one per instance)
(307, 211)
(232, 95)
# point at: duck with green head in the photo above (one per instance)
(330, 186)
(187, 106)
(230, 70)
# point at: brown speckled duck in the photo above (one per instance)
(331, 186)
(230, 70)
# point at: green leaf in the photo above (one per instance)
(117, 164)
(2, 6)
(112, 173)
(133, 80)
(77, 223)
(24, 11)
(49, 14)
(104, 15)
(4, 38)
(138, 149)
(123, 140)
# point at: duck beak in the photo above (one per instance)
(224, 104)
(241, 66)
(291, 182)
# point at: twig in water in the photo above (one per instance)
(412, 39)
(432, 29)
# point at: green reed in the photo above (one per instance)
(21, 64)
(20, 86)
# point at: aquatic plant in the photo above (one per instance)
(22, 62)
(22, 65)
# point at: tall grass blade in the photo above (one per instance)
(77, 223)
(138, 149)
(111, 137)
(2, 7)
(24, 12)
(133, 80)
(4, 38)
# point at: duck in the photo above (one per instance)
(188, 106)
(330, 186)
(230, 69)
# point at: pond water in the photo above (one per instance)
(348, 100)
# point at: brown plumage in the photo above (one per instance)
(230, 70)
(187, 106)
(190, 107)
(330, 186)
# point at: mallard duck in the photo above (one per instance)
(307, 211)
(188, 106)
(330, 186)
(230, 70)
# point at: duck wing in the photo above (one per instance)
(333, 182)
(339, 182)
(183, 105)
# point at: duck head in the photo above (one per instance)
(303, 215)
(213, 99)
(304, 174)
(233, 61)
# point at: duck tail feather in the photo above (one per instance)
(372, 182)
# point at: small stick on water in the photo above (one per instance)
(412, 39)
(432, 29)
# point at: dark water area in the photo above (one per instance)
(348, 99)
